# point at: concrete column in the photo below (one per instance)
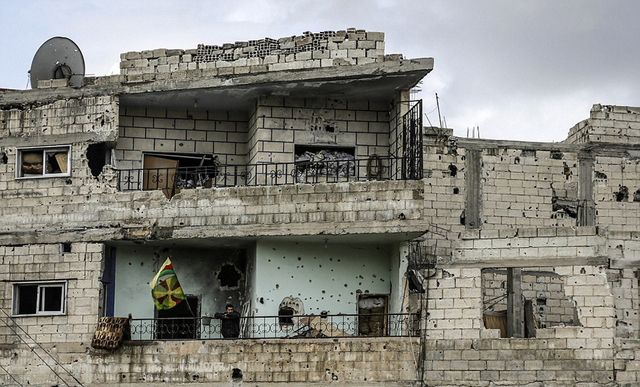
(515, 309)
(472, 178)
(586, 204)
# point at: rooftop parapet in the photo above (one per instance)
(310, 50)
(608, 124)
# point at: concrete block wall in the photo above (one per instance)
(624, 251)
(310, 50)
(519, 185)
(528, 245)
(558, 356)
(608, 124)
(454, 305)
(210, 132)
(617, 191)
(81, 268)
(444, 192)
(310, 361)
(282, 123)
(97, 115)
(39, 196)
(305, 208)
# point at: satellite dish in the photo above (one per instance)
(58, 58)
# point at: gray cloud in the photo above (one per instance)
(525, 70)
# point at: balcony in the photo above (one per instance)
(280, 327)
(172, 180)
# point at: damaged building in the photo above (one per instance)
(294, 179)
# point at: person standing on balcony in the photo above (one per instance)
(230, 324)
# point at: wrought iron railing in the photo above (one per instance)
(271, 327)
(333, 171)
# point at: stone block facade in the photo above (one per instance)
(446, 230)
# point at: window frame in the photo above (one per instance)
(44, 149)
(40, 298)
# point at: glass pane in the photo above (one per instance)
(27, 299)
(51, 299)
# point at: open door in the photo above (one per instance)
(160, 173)
(372, 314)
(180, 322)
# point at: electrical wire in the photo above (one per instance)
(11, 376)
(41, 347)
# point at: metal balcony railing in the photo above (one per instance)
(271, 327)
(333, 171)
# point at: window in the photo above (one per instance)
(43, 298)
(43, 162)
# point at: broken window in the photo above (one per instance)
(313, 161)
(43, 162)
(543, 302)
(39, 298)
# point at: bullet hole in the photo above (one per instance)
(583, 271)
(557, 155)
(567, 171)
(402, 216)
(346, 286)
(3, 158)
(236, 373)
(299, 258)
(66, 248)
(229, 276)
(453, 170)
(636, 196)
(622, 194)
(277, 286)
(195, 378)
(516, 161)
(261, 300)
(456, 190)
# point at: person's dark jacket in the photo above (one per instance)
(230, 324)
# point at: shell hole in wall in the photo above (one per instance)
(229, 276)
(623, 194)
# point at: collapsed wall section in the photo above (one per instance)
(608, 124)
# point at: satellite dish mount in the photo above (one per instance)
(58, 58)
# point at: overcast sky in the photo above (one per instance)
(520, 70)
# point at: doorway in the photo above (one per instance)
(180, 322)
